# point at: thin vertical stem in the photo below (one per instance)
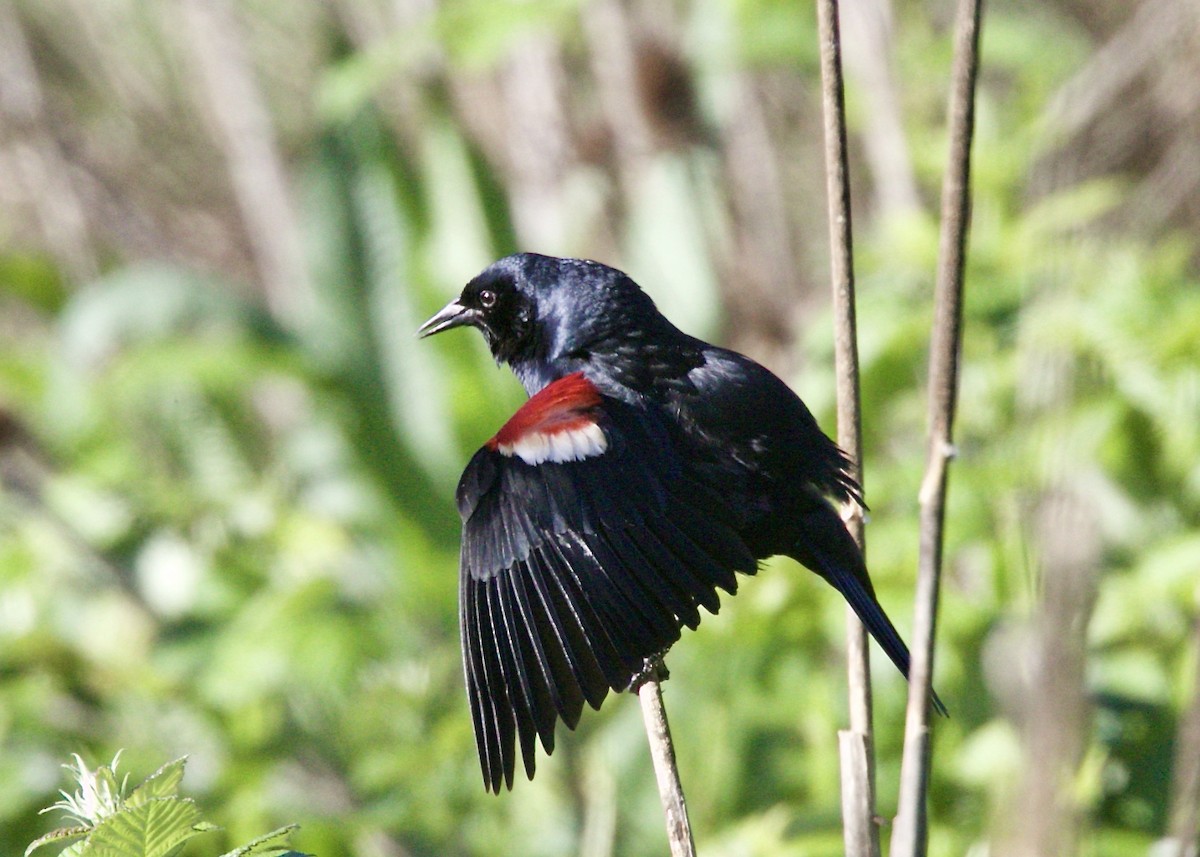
(41, 172)
(910, 834)
(858, 773)
(226, 80)
(670, 789)
(1184, 827)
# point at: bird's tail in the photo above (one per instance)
(827, 548)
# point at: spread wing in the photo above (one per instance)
(586, 547)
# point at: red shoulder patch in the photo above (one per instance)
(557, 424)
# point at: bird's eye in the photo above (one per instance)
(487, 299)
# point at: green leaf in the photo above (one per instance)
(161, 784)
(260, 846)
(156, 828)
(63, 833)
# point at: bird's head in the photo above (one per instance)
(554, 312)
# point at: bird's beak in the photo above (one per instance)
(451, 315)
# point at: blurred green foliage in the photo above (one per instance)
(233, 538)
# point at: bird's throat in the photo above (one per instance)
(535, 375)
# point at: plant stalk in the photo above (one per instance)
(860, 833)
(662, 751)
(909, 836)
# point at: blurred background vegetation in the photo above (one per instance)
(227, 466)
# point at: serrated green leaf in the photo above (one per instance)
(256, 846)
(162, 783)
(155, 829)
(56, 836)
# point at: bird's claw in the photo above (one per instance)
(653, 669)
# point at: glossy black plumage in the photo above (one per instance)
(647, 468)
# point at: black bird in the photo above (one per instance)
(646, 469)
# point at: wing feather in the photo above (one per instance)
(550, 650)
(575, 573)
(488, 701)
(637, 601)
(586, 659)
(499, 691)
(689, 590)
(707, 547)
(610, 626)
(669, 605)
(512, 670)
(542, 699)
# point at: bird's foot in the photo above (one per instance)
(653, 669)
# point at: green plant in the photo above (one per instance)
(152, 820)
